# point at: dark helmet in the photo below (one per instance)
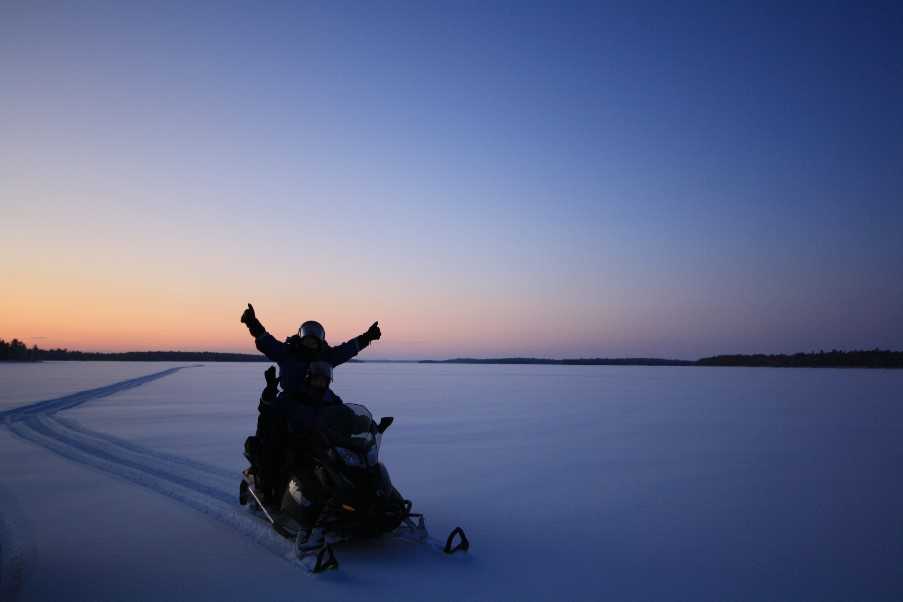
(312, 329)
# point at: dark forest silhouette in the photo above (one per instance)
(16, 350)
(590, 361)
(876, 358)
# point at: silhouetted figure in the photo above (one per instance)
(307, 503)
(294, 356)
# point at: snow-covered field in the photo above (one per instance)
(573, 483)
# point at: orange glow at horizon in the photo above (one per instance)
(96, 306)
(408, 332)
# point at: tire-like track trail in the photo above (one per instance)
(207, 489)
(16, 547)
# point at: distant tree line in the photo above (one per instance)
(18, 351)
(876, 358)
(591, 361)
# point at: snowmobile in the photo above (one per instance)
(361, 500)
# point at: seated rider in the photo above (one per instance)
(293, 358)
(264, 449)
(307, 502)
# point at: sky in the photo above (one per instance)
(485, 179)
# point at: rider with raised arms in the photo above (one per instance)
(294, 357)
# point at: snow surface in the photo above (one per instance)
(26, 382)
(573, 483)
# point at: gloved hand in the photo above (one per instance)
(250, 320)
(373, 333)
(248, 315)
(271, 392)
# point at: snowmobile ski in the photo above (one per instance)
(319, 559)
(416, 532)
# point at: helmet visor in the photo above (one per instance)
(312, 329)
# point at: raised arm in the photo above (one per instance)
(346, 351)
(265, 342)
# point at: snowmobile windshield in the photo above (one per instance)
(350, 426)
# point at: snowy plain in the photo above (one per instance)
(573, 483)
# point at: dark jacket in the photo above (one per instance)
(293, 362)
(302, 414)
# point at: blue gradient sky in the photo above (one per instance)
(514, 179)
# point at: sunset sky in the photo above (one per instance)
(557, 180)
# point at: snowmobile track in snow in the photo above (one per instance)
(205, 488)
(51, 406)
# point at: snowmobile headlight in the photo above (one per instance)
(349, 457)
